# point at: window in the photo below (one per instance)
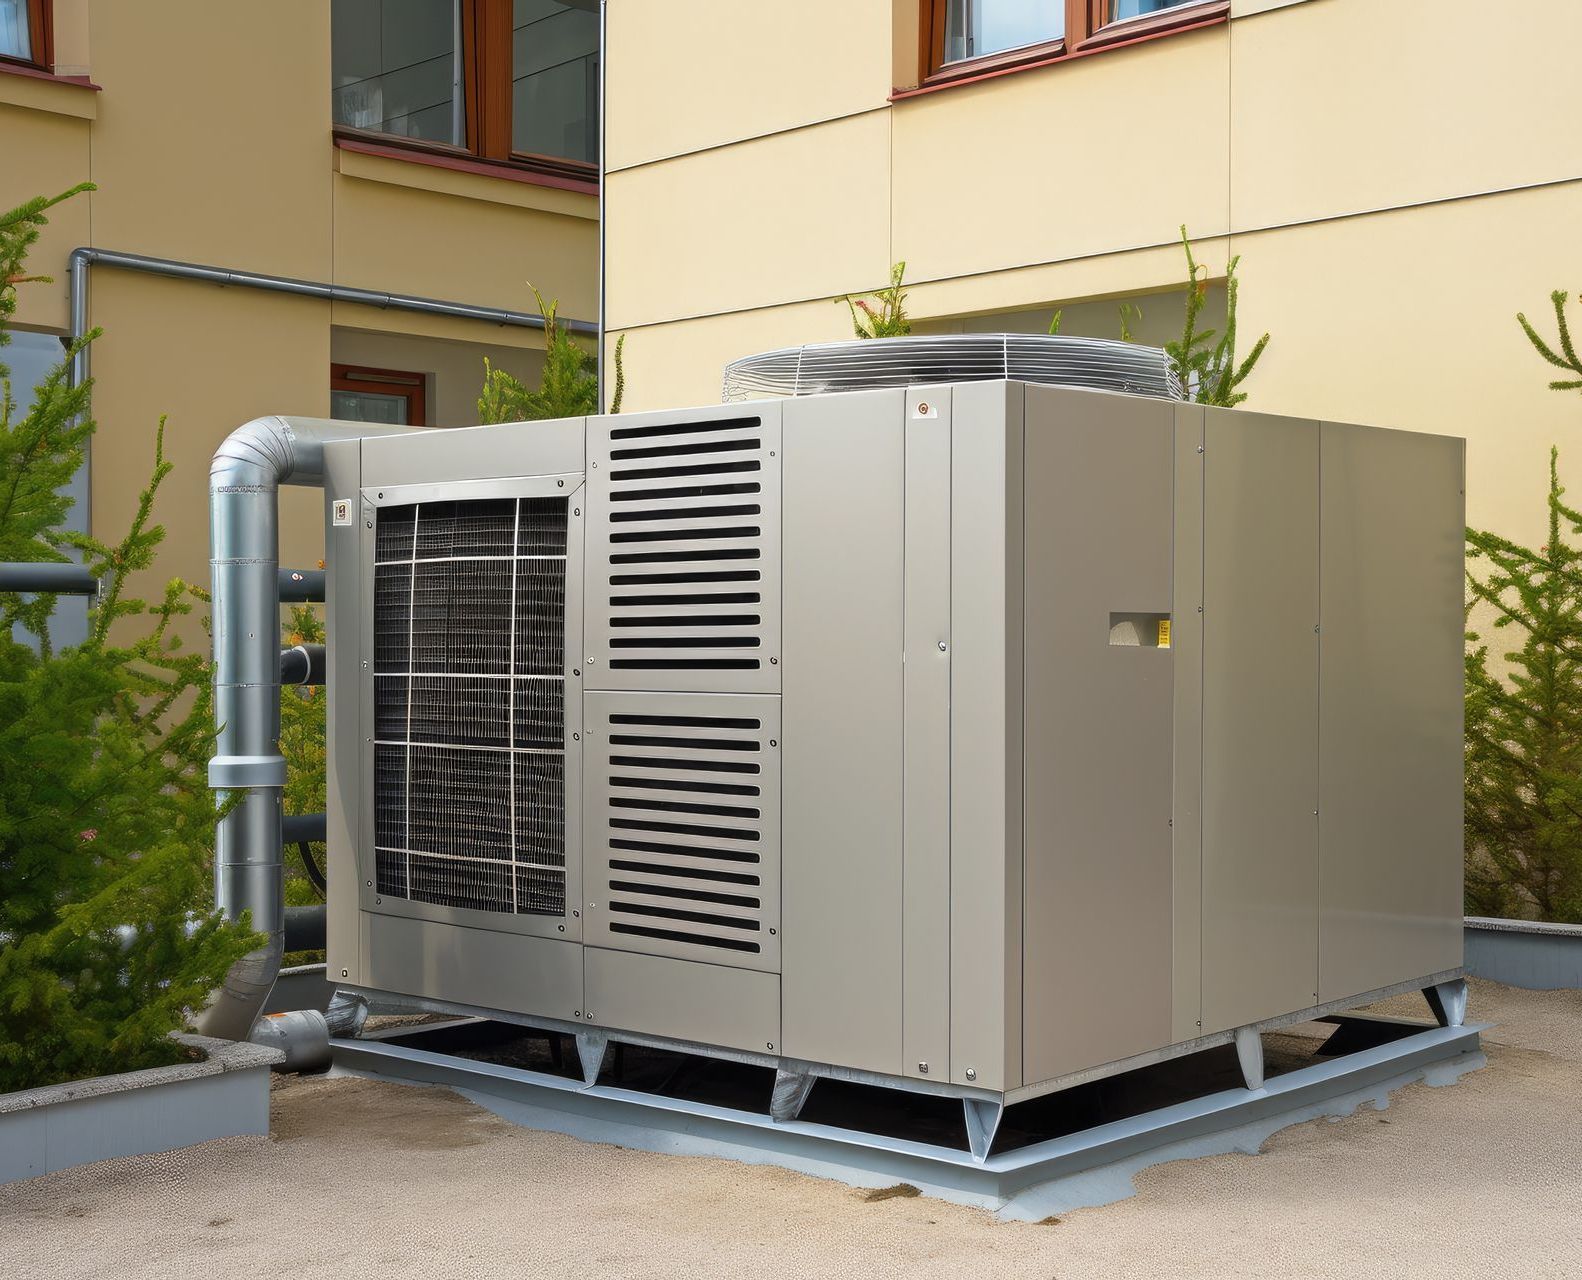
(510, 81)
(360, 394)
(25, 32)
(968, 37)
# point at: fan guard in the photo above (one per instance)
(1096, 364)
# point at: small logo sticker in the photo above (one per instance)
(341, 511)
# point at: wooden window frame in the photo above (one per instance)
(412, 387)
(40, 35)
(1089, 28)
(486, 100)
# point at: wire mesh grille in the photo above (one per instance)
(1094, 363)
(469, 704)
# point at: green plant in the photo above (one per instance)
(889, 318)
(569, 387)
(106, 818)
(1207, 368)
(1566, 358)
(1524, 731)
(302, 743)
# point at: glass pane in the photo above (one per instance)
(14, 39)
(395, 68)
(1137, 8)
(975, 28)
(555, 78)
(367, 406)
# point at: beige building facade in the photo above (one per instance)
(345, 144)
(1399, 177)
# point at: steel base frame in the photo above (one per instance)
(1005, 1180)
(983, 1109)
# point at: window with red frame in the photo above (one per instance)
(361, 394)
(967, 37)
(512, 81)
(25, 34)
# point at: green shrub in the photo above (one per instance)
(107, 938)
(569, 387)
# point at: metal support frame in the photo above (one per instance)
(790, 1094)
(983, 1122)
(1448, 1001)
(1249, 1053)
(611, 1113)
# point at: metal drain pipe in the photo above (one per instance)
(244, 539)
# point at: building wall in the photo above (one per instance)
(209, 138)
(1399, 179)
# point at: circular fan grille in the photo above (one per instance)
(1094, 363)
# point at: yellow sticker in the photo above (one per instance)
(1164, 633)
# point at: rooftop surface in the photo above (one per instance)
(361, 1178)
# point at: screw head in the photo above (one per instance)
(560, 484)
(576, 1013)
(576, 671)
(370, 524)
(942, 646)
(971, 1074)
(922, 1068)
(562, 928)
(771, 933)
(343, 973)
(576, 511)
(768, 1046)
(576, 737)
(381, 494)
(774, 662)
(369, 883)
(575, 914)
(773, 743)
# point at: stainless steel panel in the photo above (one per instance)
(1186, 829)
(1260, 717)
(476, 453)
(925, 856)
(841, 758)
(344, 620)
(682, 815)
(986, 735)
(683, 1000)
(683, 558)
(1390, 730)
(1097, 974)
(514, 972)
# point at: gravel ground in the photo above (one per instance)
(367, 1179)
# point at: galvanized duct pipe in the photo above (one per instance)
(244, 539)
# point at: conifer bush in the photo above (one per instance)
(107, 936)
(569, 387)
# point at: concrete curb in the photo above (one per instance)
(138, 1112)
(1524, 953)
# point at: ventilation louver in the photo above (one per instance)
(684, 820)
(684, 559)
(469, 716)
(1094, 363)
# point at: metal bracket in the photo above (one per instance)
(591, 1048)
(1448, 1000)
(790, 1095)
(1249, 1052)
(231, 773)
(983, 1122)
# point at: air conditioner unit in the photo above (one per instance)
(976, 737)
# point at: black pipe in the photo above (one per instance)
(301, 586)
(304, 826)
(302, 664)
(49, 579)
(305, 928)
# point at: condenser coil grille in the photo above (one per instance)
(684, 795)
(1097, 364)
(684, 587)
(469, 704)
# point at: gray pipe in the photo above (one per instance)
(244, 541)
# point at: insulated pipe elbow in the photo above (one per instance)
(244, 539)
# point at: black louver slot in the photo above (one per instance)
(469, 704)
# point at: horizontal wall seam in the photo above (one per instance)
(1124, 251)
(752, 137)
